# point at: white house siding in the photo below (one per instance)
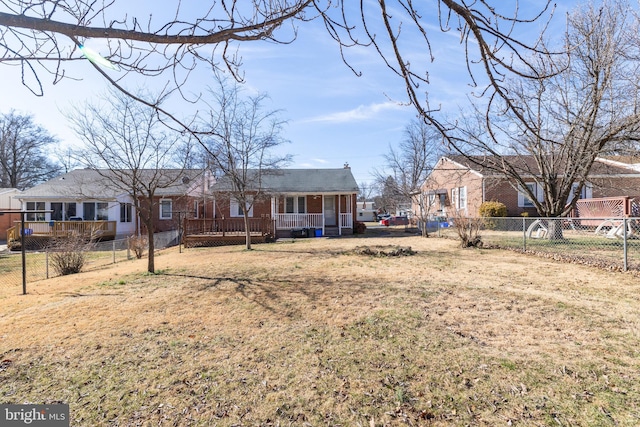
(113, 211)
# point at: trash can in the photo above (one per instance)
(318, 232)
(298, 233)
(311, 232)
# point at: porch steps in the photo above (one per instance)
(331, 231)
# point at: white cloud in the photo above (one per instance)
(360, 113)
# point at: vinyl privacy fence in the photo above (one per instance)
(604, 242)
(100, 254)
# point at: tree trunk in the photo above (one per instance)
(246, 229)
(151, 255)
(554, 229)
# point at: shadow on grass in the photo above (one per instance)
(275, 295)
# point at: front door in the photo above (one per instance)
(330, 211)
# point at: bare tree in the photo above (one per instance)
(365, 191)
(133, 152)
(23, 152)
(562, 123)
(410, 161)
(241, 136)
(42, 37)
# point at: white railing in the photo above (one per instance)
(346, 220)
(289, 221)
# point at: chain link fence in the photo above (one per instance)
(99, 254)
(612, 243)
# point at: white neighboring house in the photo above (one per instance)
(80, 195)
(8, 201)
(87, 199)
(366, 211)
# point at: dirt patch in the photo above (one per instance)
(384, 251)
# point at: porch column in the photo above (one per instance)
(339, 216)
(323, 222)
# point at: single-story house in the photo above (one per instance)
(322, 199)
(457, 184)
(88, 199)
(8, 202)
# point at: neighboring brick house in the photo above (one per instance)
(459, 185)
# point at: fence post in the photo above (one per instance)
(524, 233)
(128, 248)
(46, 262)
(114, 250)
(624, 244)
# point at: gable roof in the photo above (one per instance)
(301, 181)
(91, 183)
(485, 165)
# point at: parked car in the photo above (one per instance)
(383, 216)
(395, 220)
(398, 220)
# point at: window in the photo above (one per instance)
(585, 193)
(125, 212)
(36, 216)
(523, 200)
(235, 209)
(459, 197)
(56, 214)
(70, 211)
(288, 205)
(196, 209)
(462, 197)
(432, 200)
(96, 211)
(166, 208)
(89, 210)
(295, 204)
(102, 211)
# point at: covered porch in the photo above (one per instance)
(333, 214)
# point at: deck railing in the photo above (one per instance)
(223, 226)
(88, 229)
(346, 220)
(605, 207)
(287, 221)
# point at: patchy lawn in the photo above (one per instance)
(313, 332)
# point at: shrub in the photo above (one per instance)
(68, 254)
(138, 244)
(360, 227)
(493, 209)
(468, 230)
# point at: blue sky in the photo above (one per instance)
(333, 115)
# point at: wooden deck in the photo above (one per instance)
(226, 231)
(39, 233)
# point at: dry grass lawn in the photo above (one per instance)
(309, 333)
